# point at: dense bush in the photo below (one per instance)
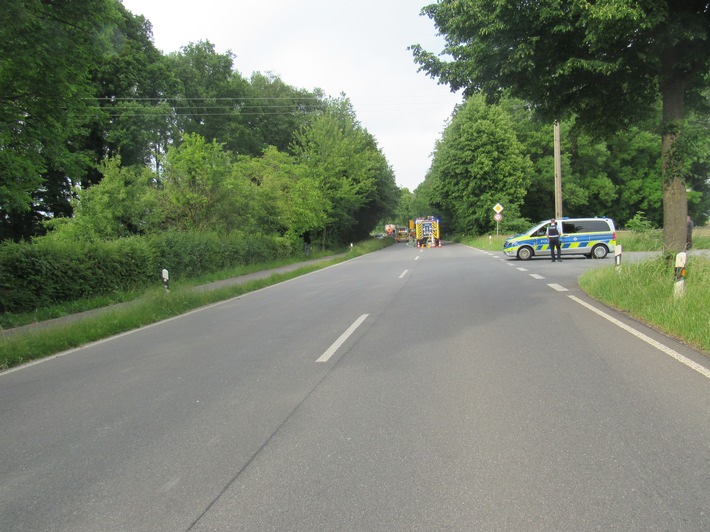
(49, 271)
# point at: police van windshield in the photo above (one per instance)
(542, 231)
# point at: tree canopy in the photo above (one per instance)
(356, 182)
(477, 164)
(103, 136)
(82, 81)
(47, 51)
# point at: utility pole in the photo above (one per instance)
(558, 173)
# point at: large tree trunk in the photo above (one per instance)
(675, 199)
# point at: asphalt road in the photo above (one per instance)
(404, 390)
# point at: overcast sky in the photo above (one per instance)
(354, 47)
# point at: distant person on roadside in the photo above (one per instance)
(689, 237)
(553, 239)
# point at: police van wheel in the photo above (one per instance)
(525, 253)
(599, 251)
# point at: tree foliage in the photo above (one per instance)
(82, 81)
(618, 175)
(275, 111)
(124, 203)
(130, 117)
(284, 198)
(47, 50)
(194, 184)
(209, 94)
(349, 169)
(477, 164)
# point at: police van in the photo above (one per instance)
(593, 237)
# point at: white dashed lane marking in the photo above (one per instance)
(340, 341)
(558, 287)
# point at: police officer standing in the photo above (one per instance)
(553, 239)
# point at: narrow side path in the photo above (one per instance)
(241, 279)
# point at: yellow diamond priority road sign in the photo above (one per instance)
(498, 208)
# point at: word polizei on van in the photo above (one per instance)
(593, 237)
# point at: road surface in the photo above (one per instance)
(404, 390)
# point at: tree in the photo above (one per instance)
(340, 156)
(274, 111)
(194, 184)
(698, 160)
(210, 96)
(607, 62)
(132, 118)
(47, 51)
(631, 160)
(424, 204)
(381, 201)
(477, 163)
(534, 136)
(284, 198)
(123, 203)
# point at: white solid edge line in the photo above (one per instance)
(340, 341)
(658, 345)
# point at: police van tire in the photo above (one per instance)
(599, 251)
(525, 253)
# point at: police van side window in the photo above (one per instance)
(541, 232)
(585, 226)
(568, 228)
(596, 226)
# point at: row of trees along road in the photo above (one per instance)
(502, 153)
(103, 136)
(607, 64)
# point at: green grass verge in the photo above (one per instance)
(487, 242)
(645, 291)
(652, 240)
(151, 307)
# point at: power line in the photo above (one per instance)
(210, 98)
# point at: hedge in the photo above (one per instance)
(50, 271)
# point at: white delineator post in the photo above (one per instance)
(679, 287)
(617, 258)
(166, 279)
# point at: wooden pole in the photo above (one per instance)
(558, 173)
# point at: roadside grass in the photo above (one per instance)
(487, 242)
(152, 306)
(644, 290)
(651, 240)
